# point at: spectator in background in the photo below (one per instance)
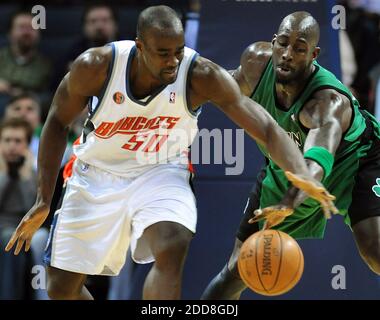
(27, 106)
(347, 59)
(18, 184)
(99, 28)
(192, 24)
(363, 31)
(375, 90)
(22, 67)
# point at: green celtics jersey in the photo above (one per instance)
(308, 220)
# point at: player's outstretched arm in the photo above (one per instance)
(85, 79)
(327, 115)
(217, 86)
(212, 83)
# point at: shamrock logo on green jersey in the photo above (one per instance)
(376, 187)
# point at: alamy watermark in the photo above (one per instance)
(39, 277)
(39, 17)
(339, 20)
(338, 282)
(216, 146)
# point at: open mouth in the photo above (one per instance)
(284, 70)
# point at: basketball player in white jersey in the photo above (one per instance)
(140, 92)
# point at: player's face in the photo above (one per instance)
(162, 54)
(292, 56)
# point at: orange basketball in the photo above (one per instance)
(270, 262)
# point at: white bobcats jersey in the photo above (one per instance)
(126, 136)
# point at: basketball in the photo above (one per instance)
(270, 262)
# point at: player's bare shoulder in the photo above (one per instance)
(256, 55)
(89, 71)
(331, 99)
(207, 79)
(327, 105)
(254, 60)
(204, 69)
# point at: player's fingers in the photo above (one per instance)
(260, 214)
(275, 221)
(269, 210)
(326, 210)
(27, 244)
(333, 208)
(255, 219)
(296, 179)
(12, 240)
(318, 193)
(327, 195)
(270, 223)
(19, 245)
(330, 197)
(290, 176)
(306, 185)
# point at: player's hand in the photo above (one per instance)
(24, 232)
(314, 189)
(274, 215)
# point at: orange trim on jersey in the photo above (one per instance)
(68, 169)
(190, 167)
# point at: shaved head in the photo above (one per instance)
(295, 47)
(304, 24)
(158, 18)
(160, 43)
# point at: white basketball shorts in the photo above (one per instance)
(102, 214)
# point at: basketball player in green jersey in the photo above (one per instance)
(339, 140)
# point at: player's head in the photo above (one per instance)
(295, 47)
(160, 42)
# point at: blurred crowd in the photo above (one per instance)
(360, 52)
(32, 63)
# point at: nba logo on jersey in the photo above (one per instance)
(84, 167)
(172, 97)
(118, 97)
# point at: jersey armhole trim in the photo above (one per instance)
(153, 95)
(261, 78)
(193, 113)
(110, 74)
(323, 87)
